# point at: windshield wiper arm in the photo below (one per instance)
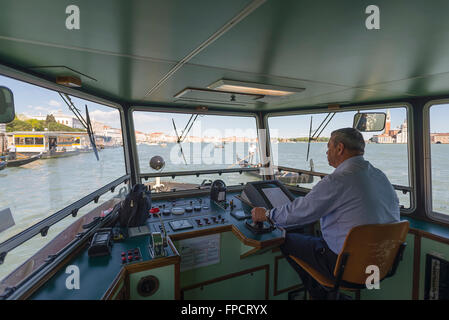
(86, 123)
(315, 136)
(179, 140)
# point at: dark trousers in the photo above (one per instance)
(317, 254)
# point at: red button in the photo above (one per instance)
(123, 260)
(154, 210)
(130, 258)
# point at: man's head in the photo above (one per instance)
(344, 144)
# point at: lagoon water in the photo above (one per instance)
(41, 188)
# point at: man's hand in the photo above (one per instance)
(258, 214)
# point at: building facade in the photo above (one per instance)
(61, 118)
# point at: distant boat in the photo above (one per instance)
(163, 145)
(20, 162)
(85, 150)
(285, 177)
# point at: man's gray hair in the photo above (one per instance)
(351, 138)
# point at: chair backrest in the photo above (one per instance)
(374, 244)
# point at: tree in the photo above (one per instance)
(37, 125)
(18, 125)
(50, 118)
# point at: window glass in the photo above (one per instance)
(386, 150)
(206, 142)
(65, 173)
(439, 151)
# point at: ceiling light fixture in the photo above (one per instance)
(253, 88)
(69, 81)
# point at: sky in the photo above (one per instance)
(33, 100)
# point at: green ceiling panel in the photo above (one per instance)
(130, 48)
(327, 41)
(161, 29)
(117, 77)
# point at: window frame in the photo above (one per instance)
(45, 84)
(434, 215)
(82, 201)
(410, 128)
(132, 109)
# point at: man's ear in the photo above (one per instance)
(340, 148)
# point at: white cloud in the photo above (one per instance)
(54, 103)
(141, 121)
(110, 118)
(39, 108)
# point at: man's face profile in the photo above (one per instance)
(333, 152)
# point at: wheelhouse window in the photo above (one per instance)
(54, 164)
(386, 149)
(438, 142)
(195, 142)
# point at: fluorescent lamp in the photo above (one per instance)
(253, 88)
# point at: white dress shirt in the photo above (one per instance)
(356, 193)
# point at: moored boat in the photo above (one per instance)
(23, 161)
(59, 154)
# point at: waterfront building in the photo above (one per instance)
(439, 138)
(391, 136)
(401, 136)
(141, 137)
(67, 120)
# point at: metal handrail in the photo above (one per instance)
(195, 173)
(300, 171)
(404, 189)
(43, 226)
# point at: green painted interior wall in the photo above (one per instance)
(243, 287)
(250, 287)
(430, 247)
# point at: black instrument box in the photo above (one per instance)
(101, 243)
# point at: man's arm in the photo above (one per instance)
(320, 201)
